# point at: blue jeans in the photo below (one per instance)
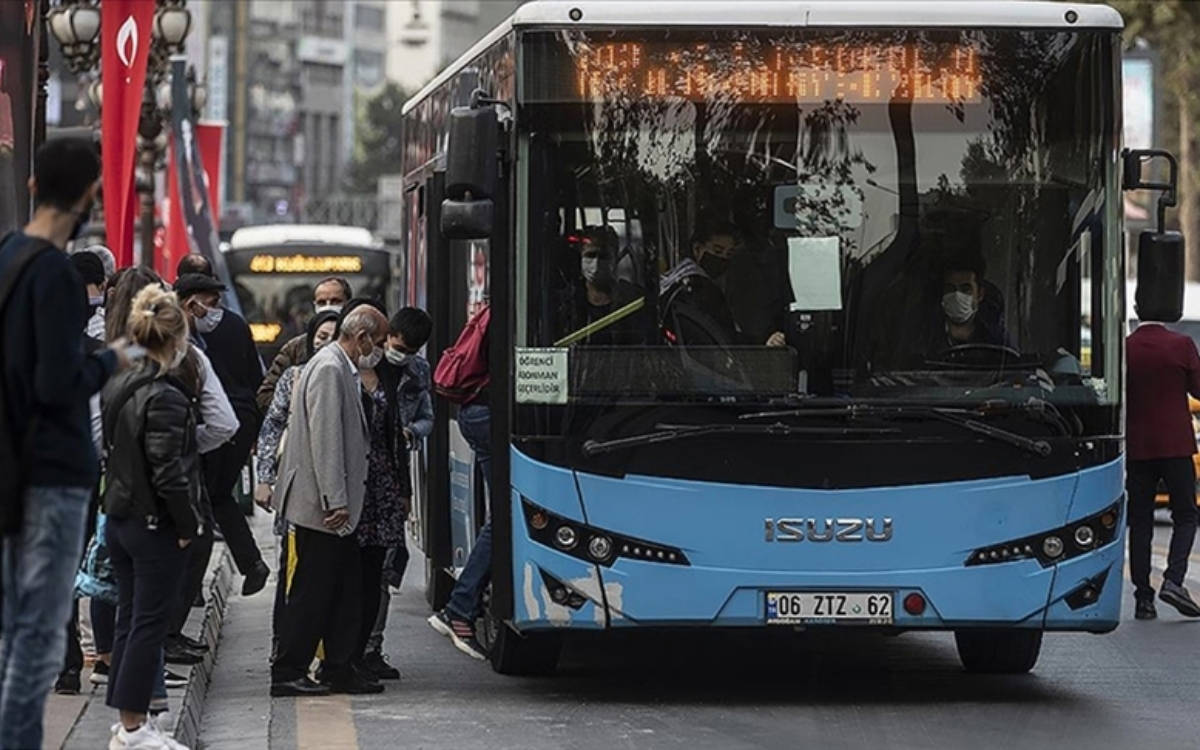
(475, 422)
(40, 562)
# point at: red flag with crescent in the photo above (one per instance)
(125, 27)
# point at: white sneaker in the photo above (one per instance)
(164, 724)
(143, 738)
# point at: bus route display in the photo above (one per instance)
(778, 73)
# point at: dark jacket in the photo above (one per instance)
(230, 348)
(1162, 369)
(45, 377)
(293, 353)
(153, 467)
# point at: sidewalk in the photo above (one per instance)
(82, 722)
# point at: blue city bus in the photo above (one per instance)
(787, 316)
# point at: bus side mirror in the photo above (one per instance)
(1160, 255)
(471, 172)
(1160, 276)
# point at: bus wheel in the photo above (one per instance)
(514, 653)
(438, 585)
(998, 651)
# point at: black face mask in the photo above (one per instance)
(81, 222)
(713, 265)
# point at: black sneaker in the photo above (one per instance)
(68, 683)
(1179, 598)
(175, 652)
(194, 644)
(355, 683)
(1144, 610)
(376, 665)
(99, 676)
(174, 680)
(300, 688)
(256, 579)
(460, 632)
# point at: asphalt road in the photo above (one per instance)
(1137, 687)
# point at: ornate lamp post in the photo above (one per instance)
(76, 26)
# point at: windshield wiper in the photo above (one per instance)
(956, 416)
(667, 432)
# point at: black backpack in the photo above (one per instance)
(14, 448)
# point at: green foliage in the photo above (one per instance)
(380, 145)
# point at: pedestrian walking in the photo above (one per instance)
(1163, 369)
(463, 376)
(225, 338)
(154, 503)
(48, 463)
(322, 480)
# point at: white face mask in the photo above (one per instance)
(210, 321)
(598, 271)
(320, 308)
(372, 360)
(959, 307)
(395, 356)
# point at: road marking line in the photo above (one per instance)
(325, 724)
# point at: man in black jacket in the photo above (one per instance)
(46, 381)
(225, 338)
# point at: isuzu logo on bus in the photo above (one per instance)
(828, 529)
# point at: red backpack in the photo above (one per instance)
(462, 370)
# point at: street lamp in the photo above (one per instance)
(76, 26)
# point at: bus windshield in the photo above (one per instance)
(875, 214)
(275, 284)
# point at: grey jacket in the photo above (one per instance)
(324, 462)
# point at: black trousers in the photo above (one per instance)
(323, 603)
(104, 622)
(372, 590)
(222, 470)
(277, 610)
(191, 582)
(148, 565)
(73, 659)
(1141, 483)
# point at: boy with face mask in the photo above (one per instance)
(597, 292)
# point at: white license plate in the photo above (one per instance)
(829, 607)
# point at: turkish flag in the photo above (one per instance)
(125, 28)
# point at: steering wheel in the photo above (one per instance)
(973, 353)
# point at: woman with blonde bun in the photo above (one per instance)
(154, 507)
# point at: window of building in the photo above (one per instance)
(369, 18)
(368, 67)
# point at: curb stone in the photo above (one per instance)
(191, 707)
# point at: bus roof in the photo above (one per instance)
(788, 13)
(276, 235)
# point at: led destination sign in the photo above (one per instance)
(778, 73)
(306, 264)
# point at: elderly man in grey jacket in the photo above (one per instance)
(322, 480)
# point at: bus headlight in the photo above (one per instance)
(593, 545)
(600, 547)
(565, 537)
(1056, 545)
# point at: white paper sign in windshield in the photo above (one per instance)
(815, 270)
(541, 376)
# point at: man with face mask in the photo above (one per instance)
(329, 294)
(320, 491)
(224, 336)
(597, 292)
(690, 294)
(970, 315)
(48, 462)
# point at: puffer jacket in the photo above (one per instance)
(153, 466)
